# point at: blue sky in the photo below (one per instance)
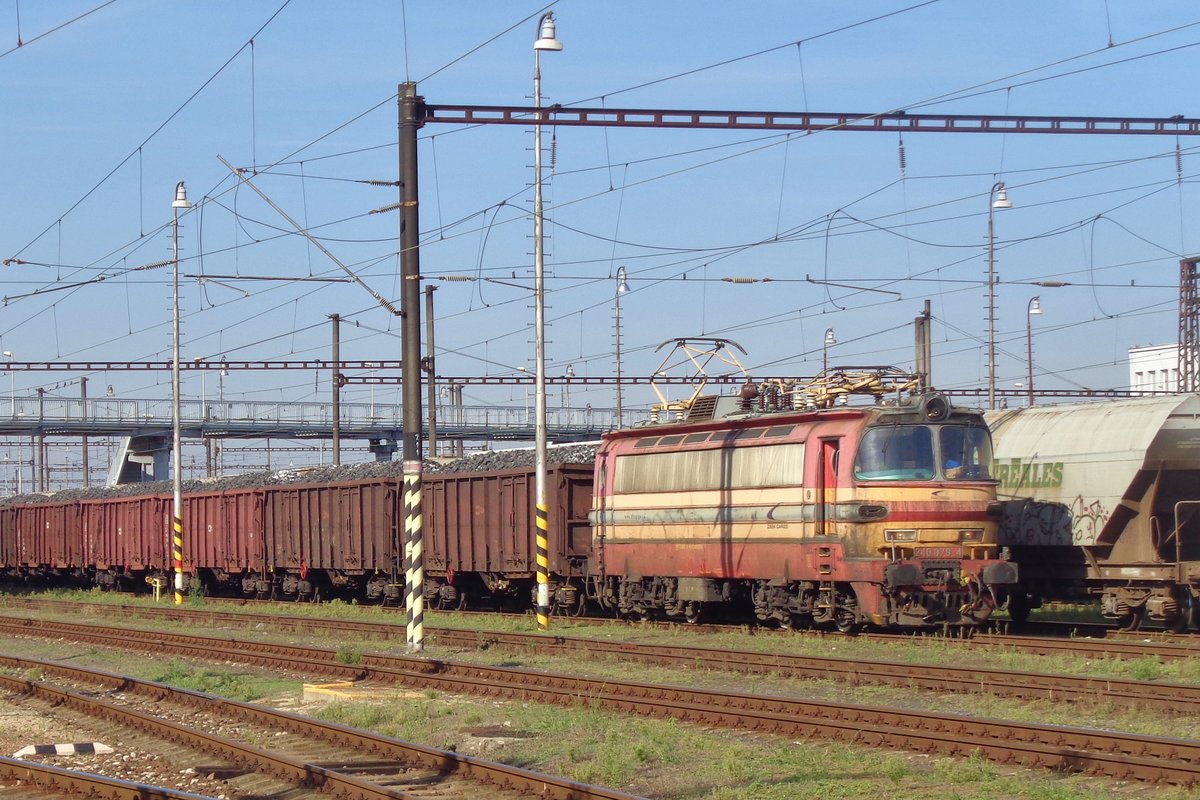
(105, 114)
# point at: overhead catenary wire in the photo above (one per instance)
(850, 230)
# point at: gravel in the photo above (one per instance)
(490, 461)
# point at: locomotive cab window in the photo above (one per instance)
(914, 453)
(896, 453)
(966, 453)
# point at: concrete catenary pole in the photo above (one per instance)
(83, 412)
(547, 40)
(336, 381)
(430, 369)
(180, 201)
(411, 111)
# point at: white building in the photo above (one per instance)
(1154, 368)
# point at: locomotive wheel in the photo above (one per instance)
(795, 622)
(1133, 620)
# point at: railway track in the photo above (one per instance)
(1113, 754)
(353, 763)
(1163, 697)
(1113, 644)
(45, 780)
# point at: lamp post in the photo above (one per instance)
(830, 338)
(1034, 307)
(1001, 201)
(13, 386)
(569, 375)
(622, 288)
(180, 201)
(546, 41)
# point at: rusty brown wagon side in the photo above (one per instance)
(223, 539)
(339, 539)
(45, 539)
(125, 539)
(8, 540)
(480, 536)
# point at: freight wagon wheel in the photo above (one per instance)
(1187, 612)
(1133, 620)
(1017, 606)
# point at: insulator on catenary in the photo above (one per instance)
(1178, 163)
(903, 160)
(553, 152)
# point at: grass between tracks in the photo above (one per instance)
(920, 650)
(659, 759)
(664, 759)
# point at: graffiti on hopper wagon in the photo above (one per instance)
(1052, 523)
(1018, 474)
(1087, 520)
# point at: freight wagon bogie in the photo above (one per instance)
(1174, 607)
(512, 592)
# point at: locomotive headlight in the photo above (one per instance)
(970, 535)
(892, 535)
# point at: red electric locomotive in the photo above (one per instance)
(837, 515)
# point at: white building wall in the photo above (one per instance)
(1154, 368)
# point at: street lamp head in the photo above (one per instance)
(622, 283)
(570, 371)
(547, 40)
(181, 200)
(1035, 305)
(830, 337)
(1002, 200)
(8, 354)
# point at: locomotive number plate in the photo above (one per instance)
(938, 552)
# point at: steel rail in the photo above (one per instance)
(71, 783)
(1173, 698)
(1114, 754)
(291, 770)
(407, 754)
(1152, 644)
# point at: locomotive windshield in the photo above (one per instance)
(923, 453)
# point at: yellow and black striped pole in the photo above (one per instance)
(177, 555)
(543, 565)
(414, 557)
